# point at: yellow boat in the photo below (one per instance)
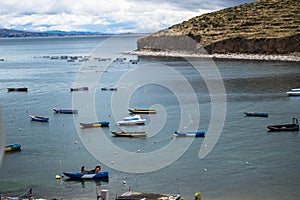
(142, 111)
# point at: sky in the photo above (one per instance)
(106, 16)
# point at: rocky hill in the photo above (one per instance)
(261, 27)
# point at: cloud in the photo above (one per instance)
(114, 16)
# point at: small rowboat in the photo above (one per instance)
(65, 111)
(256, 114)
(79, 89)
(24, 89)
(39, 118)
(294, 92)
(12, 147)
(190, 134)
(142, 111)
(87, 175)
(94, 124)
(294, 126)
(109, 89)
(129, 133)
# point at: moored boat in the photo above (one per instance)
(79, 89)
(142, 111)
(294, 92)
(109, 89)
(22, 89)
(65, 111)
(94, 124)
(130, 133)
(294, 126)
(12, 147)
(39, 118)
(87, 175)
(256, 114)
(132, 120)
(190, 134)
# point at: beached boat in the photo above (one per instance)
(79, 89)
(94, 124)
(294, 126)
(130, 133)
(87, 175)
(12, 147)
(39, 118)
(108, 89)
(142, 111)
(294, 92)
(132, 120)
(23, 89)
(256, 114)
(65, 111)
(190, 134)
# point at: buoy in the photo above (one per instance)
(112, 162)
(138, 151)
(75, 142)
(205, 169)
(58, 176)
(197, 196)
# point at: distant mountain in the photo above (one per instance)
(17, 33)
(261, 27)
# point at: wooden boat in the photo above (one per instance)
(108, 89)
(142, 111)
(294, 126)
(132, 120)
(39, 118)
(94, 124)
(256, 114)
(23, 89)
(65, 111)
(87, 175)
(12, 147)
(129, 133)
(190, 134)
(79, 89)
(294, 92)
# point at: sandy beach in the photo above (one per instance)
(291, 58)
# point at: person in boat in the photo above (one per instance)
(82, 170)
(97, 169)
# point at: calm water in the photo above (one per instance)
(247, 162)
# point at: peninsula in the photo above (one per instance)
(264, 27)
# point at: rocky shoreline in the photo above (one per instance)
(292, 58)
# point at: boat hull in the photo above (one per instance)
(142, 111)
(87, 175)
(294, 126)
(79, 89)
(39, 118)
(94, 124)
(129, 134)
(190, 134)
(256, 114)
(65, 111)
(25, 89)
(12, 147)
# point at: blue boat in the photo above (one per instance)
(256, 114)
(39, 118)
(294, 92)
(12, 147)
(87, 175)
(190, 134)
(65, 111)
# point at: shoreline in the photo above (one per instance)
(290, 58)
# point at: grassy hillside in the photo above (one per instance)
(264, 26)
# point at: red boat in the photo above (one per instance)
(294, 126)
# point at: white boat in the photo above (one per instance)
(132, 120)
(294, 92)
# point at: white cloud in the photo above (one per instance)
(96, 15)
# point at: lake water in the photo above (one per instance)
(246, 162)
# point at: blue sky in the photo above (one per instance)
(107, 16)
